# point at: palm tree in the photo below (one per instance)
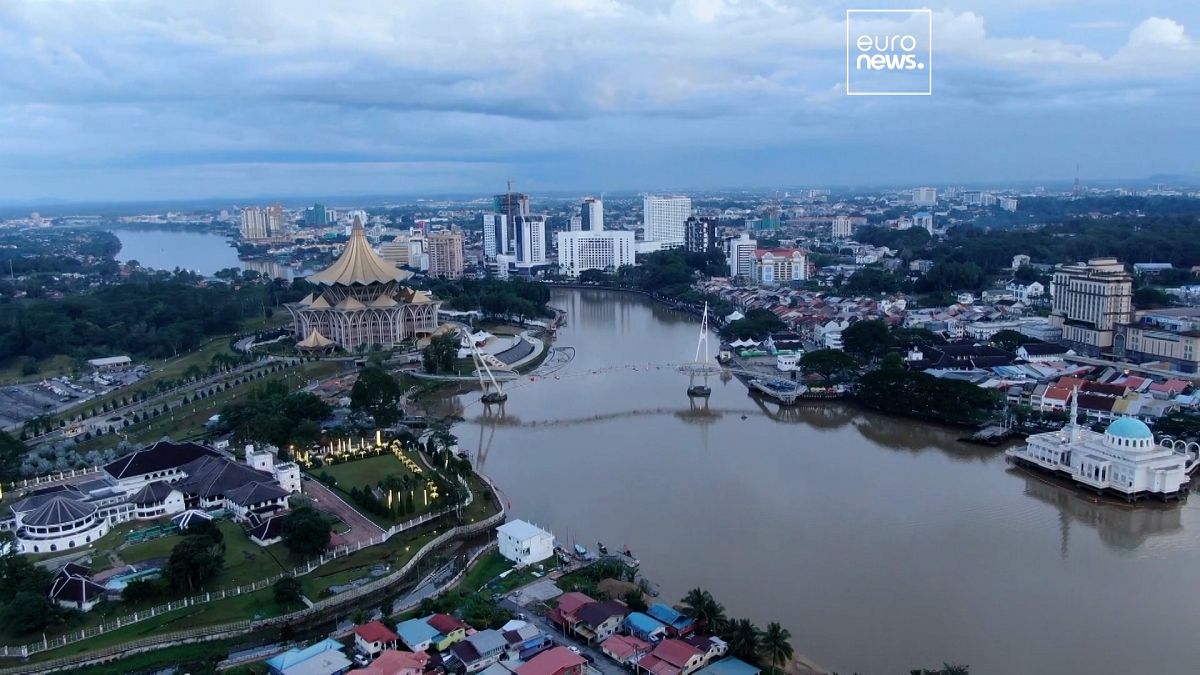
(743, 638)
(694, 600)
(776, 644)
(701, 606)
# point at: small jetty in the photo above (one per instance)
(991, 435)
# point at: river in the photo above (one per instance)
(881, 544)
(201, 252)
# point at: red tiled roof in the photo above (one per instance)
(445, 624)
(569, 603)
(657, 666)
(392, 662)
(375, 631)
(1057, 393)
(675, 652)
(624, 646)
(551, 662)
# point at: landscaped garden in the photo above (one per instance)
(387, 488)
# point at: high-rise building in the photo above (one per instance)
(275, 226)
(254, 224)
(1008, 203)
(923, 220)
(701, 235)
(592, 215)
(842, 227)
(665, 219)
(398, 251)
(446, 255)
(1089, 301)
(495, 235)
(587, 250)
(576, 224)
(530, 240)
(317, 216)
(511, 204)
(739, 253)
(924, 196)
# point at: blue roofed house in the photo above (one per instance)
(645, 627)
(417, 634)
(322, 658)
(729, 666)
(677, 624)
(477, 651)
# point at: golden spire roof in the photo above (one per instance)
(358, 264)
(314, 341)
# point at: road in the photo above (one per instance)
(600, 662)
(361, 527)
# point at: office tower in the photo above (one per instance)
(842, 229)
(511, 205)
(446, 255)
(586, 250)
(275, 226)
(317, 216)
(398, 251)
(254, 224)
(576, 224)
(1090, 300)
(739, 253)
(592, 215)
(665, 219)
(923, 220)
(701, 235)
(531, 240)
(924, 196)
(495, 234)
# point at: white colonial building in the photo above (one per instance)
(1124, 460)
(523, 543)
(160, 480)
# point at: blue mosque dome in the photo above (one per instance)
(1129, 427)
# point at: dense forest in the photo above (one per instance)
(147, 317)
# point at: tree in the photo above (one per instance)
(193, 562)
(1009, 340)
(776, 644)
(27, 612)
(635, 600)
(17, 573)
(744, 639)
(12, 451)
(288, 591)
(757, 324)
(440, 353)
(700, 605)
(306, 532)
(828, 363)
(867, 339)
(141, 591)
(377, 393)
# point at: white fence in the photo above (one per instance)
(339, 552)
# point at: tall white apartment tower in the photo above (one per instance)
(531, 240)
(739, 253)
(665, 219)
(495, 234)
(842, 229)
(254, 223)
(592, 215)
(924, 196)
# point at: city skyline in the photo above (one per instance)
(287, 99)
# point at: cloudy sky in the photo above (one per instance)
(206, 98)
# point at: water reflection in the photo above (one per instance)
(834, 520)
(1122, 528)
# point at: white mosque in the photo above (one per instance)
(1124, 460)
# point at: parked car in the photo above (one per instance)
(361, 661)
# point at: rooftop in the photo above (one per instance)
(358, 264)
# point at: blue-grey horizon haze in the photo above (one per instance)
(155, 100)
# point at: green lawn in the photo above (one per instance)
(361, 473)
